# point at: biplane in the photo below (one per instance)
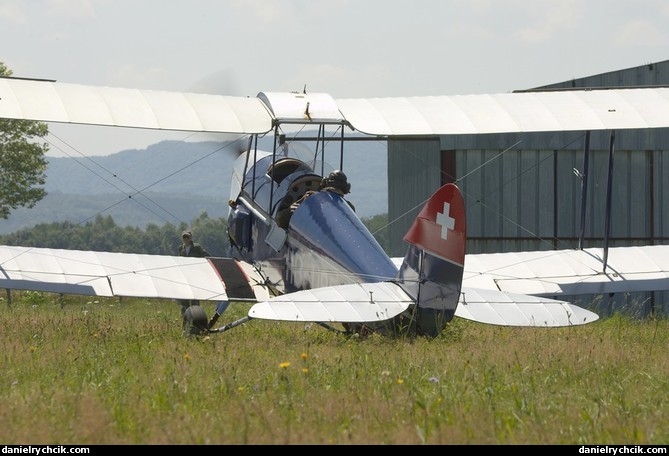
(300, 252)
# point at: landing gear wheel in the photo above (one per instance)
(195, 321)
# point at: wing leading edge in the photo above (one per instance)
(161, 110)
(593, 109)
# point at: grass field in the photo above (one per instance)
(110, 372)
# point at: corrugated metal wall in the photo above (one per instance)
(649, 74)
(522, 193)
(414, 173)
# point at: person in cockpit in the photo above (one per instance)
(335, 182)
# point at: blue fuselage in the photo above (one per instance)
(324, 243)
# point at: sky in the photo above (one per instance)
(362, 48)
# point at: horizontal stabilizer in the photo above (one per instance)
(510, 309)
(352, 303)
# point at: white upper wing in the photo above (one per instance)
(510, 112)
(73, 103)
(437, 115)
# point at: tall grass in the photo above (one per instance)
(110, 372)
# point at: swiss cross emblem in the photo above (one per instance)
(445, 220)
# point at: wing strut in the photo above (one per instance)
(230, 325)
(609, 188)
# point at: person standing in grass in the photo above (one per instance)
(190, 249)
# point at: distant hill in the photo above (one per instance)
(175, 181)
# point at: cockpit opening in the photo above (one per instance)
(285, 167)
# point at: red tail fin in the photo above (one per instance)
(440, 228)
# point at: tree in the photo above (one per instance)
(22, 161)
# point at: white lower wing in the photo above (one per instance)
(511, 309)
(354, 303)
(123, 274)
(571, 272)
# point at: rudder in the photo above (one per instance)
(433, 266)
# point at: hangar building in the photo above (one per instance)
(523, 191)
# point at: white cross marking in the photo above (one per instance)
(445, 220)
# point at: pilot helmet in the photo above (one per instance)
(338, 180)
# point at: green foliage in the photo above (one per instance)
(208, 232)
(22, 161)
(103, 234)
(119, 372)
(378, 226)
(137, 211)
(34, 298)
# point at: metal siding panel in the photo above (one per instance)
(646, 139)
(485, 219)
(472, 186)
(491, 195)
(545, 179)
(535, 193)
(661, 179)
(510, 214)
(568, 211)
(630, 201)
(620, 200)
(597, 194)
(414, 174)
(528, 195)
(649, 74)
(639, 209)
